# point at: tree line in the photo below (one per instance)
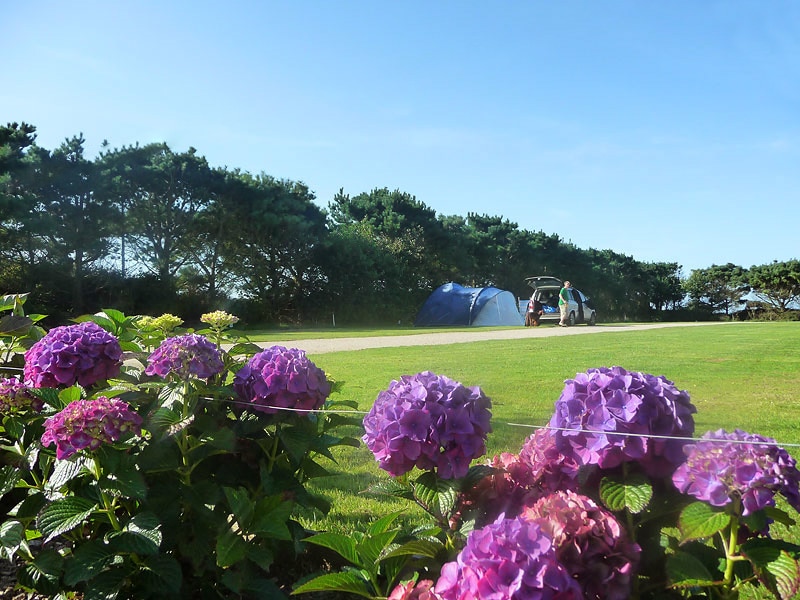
(148, 230)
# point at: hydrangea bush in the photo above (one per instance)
(152, 478)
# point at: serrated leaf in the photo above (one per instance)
(230, 549)
(12, 534)
(349, 582)
(42, 574)
(64, 471)
(166, 571)
(15, 325)
(383, 524)
(70, 394)
(439, 495)
(127, 483)
(685, 570)
(9, 476)
(88, 560)
(106, 586)
(426, 548)
(64, 515)
(343, 545)
(775, 568)
(372, 547)
(699, 520)
(240, 504)
(632, 493)
(270, 518)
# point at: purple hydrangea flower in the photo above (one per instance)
(282, 378)
(719, 471)
(89, 424)
(15, 396)
(509, 559)
(589, 542)
(84, 353)
(606, 402)
(428, 421)
(185, 356)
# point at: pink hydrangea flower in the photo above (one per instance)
(84, 353)
(282, 378)
(430, 422)
(422, 590)
(589, 542)
(509, 559)
(89, 424)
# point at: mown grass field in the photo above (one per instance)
(739, 375)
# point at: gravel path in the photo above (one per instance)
(323, 346)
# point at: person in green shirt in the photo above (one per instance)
(563, 303)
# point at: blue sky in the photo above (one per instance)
(668, 131)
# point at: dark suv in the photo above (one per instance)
(545, 290)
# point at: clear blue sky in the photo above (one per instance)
(669, 131)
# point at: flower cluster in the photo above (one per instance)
(84, 353)
(428, 421)
(165, 323)
(219, 319)
(590, 544)
(604, 404)
(282, 378)
(511, 558)
(185, 356)
(89, 424)
(15, 397)
(422, 590)
(723, 466)
(549, 469)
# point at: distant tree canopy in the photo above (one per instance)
(148, 230)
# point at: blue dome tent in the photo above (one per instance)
(453, 304)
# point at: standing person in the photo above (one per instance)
(535, 310)
(563, 303)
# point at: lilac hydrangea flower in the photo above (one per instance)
(89, 424)
(590, 544)
(428, 421)
(185, 356)
(603, 403)
(15, 396)
(719, 471)
(509, 559)
(84, 353)
(282, 378)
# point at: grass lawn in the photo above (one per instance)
(742, 375)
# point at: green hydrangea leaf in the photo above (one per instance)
(88, 561)
(685, 570)
(699, 520)
(64, 515)
(348, 582)
(774, 565)
(230, 549)
(632, 493)
(343, 545)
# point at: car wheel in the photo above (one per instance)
(572, 318)
(593, 319)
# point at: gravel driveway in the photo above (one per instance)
(323, 346)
